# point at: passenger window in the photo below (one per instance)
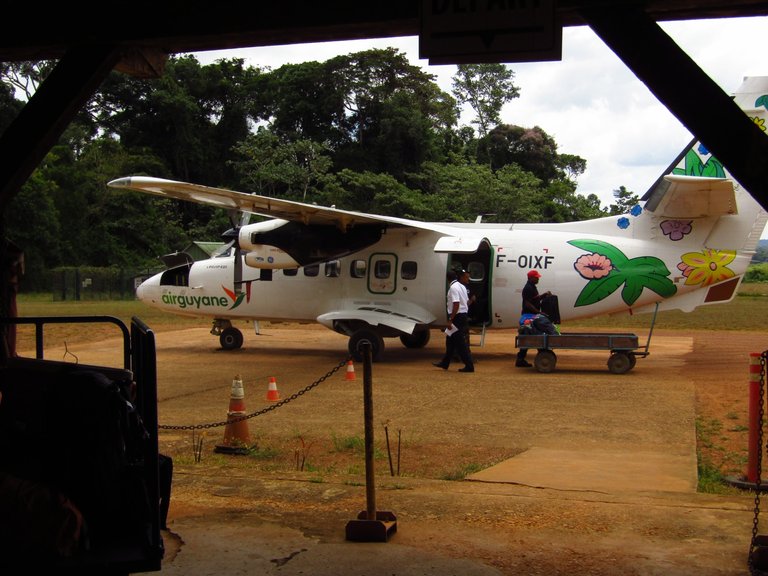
(332, 269)
(358, 268)
(382, 269)
(476, 271)
(312, 270)
(409, 270)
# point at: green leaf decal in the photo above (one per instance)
(661, 285)
(762, 101)
(634, 274)
(632, 290)
(616, 256)
(596, 290)
(648, 265)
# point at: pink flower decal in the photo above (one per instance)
(593, 266)
(676, 229)
(685, 269)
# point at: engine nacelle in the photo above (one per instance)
(251, 235)
(263, 256)
(286, 244)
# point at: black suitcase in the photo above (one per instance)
(551, 307)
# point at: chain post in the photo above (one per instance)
(759, 465)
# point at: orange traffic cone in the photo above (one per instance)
(350, 371)
(237, 439)
(272, 394)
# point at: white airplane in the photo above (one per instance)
(373, 277)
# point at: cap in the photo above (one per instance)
(534, 274)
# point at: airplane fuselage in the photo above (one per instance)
(402, 274)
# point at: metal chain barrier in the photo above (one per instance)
(262, 411)
(755, 522)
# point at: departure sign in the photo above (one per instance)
(489, 31)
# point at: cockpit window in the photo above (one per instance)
(178, 276)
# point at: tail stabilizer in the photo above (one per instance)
(697, 195)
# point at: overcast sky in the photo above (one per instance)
(589, 101)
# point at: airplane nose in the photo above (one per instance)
(148, 289)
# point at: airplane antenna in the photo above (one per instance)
(480, 217)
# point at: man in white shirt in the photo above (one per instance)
(457, 306)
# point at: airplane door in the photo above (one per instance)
(382, 273)
(478, 264)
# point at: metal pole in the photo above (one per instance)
(370, 479)
(754, 417)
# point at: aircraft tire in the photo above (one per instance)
(366, 335)
(416, 340)
(620, 362)
(231, 339)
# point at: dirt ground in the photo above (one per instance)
(306, 469)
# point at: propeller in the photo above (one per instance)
(232, 237)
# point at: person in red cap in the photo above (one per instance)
(531, 305)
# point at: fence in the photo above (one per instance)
(93, 283)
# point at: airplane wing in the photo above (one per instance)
(307, 214)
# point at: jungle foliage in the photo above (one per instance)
(366, 131)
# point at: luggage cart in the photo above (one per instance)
(623, 347)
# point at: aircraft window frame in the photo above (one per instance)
(312, 270)
(409, 269)
(333, 269)
(358, 268)
(382, 273)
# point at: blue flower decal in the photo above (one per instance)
(636, 210)
(623, 222)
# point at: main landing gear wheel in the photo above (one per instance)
(415, 340)
(231, 338)
(621, 362)
(365, 335)
(545, 361)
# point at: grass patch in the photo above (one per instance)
(463, 471)
(348, 443)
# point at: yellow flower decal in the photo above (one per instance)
(760, 122)
(707, 267)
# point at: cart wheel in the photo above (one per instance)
(620, 362)
(545, 361)
(632, 359)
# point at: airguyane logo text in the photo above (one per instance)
(181, 301)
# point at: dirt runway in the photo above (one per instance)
(227, 510)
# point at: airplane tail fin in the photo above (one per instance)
(697, 196)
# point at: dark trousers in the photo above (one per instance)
(458, 343)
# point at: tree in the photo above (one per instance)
(25, 77)
(191, 117)
(393, 111)
(281, 167)
(625, 200)
(379, 194)
(486, 88)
